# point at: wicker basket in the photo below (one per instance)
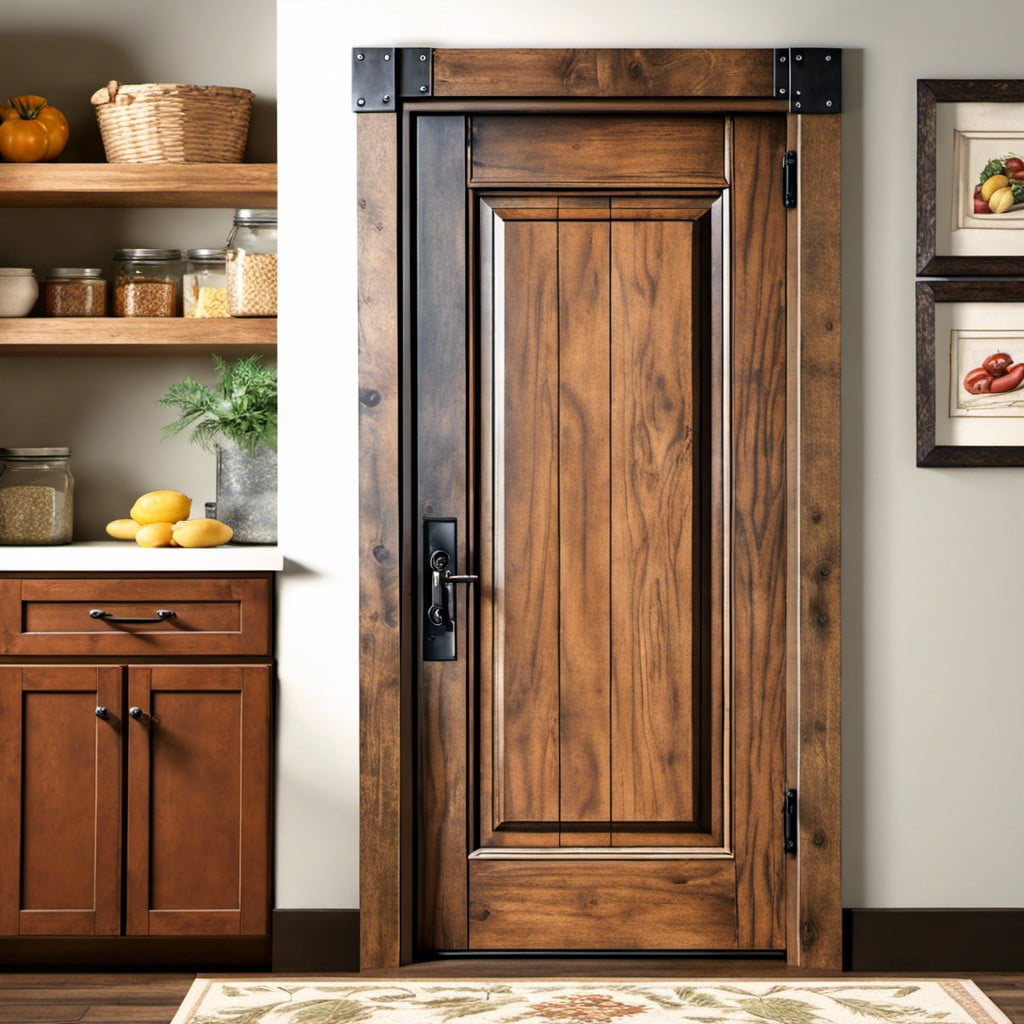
(176, 124)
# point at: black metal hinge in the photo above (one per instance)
(789, 822)
(789, 179)
(810, 78)
(382, 76)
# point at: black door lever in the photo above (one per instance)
(439, 590)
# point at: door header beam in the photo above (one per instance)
(808, 78)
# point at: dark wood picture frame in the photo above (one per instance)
(928, 452)
(642, 82)
(930, 92)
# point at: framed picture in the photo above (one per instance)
(970, 373)
(970, 177)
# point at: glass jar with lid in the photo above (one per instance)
(252, 264)
(75, 291)
(147, 282)
(204, 284)
(36, 496)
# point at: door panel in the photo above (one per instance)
(597, 905)
(584, 530)
(198, 795)
(589, 779)
(60, 800)
(600, 150)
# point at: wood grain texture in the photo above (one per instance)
(600, 150)
(595, 905)
(380, 667)
(134, 335)
(120, 185)
(442, 489)
(652, 514)
(584, 528)
(198, 794)
(758, 567)
(50, 617)
(603, 73)
(818, 942)
(61, 777)
(527, 692)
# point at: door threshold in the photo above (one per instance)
(604, 954)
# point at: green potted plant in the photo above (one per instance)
(237, 419)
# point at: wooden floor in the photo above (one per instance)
(153, 998)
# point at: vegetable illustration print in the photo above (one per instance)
(997, 375)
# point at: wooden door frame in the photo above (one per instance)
(635, 81)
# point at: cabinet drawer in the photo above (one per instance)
(63, 616)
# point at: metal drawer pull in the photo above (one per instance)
(102, 712)
(136, 713)
(161, 615)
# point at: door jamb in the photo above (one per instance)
(637, 81)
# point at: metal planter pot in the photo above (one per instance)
(247, 493)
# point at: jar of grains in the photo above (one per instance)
(75, 291)
(36, 491)
(204, 286)
(252, 264)
(147, 282)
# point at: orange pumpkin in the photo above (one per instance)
(32, 130)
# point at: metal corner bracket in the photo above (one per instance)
(382, 76)
(810, 78)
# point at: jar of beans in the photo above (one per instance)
(252, 264)
(75, 291)
(36, 495)
(147, 282)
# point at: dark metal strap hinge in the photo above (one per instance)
(810, 78)
(382, 76)
(789, 179)
(789, 822)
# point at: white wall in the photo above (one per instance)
(934, 696)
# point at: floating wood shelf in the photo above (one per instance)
(178, 185)
(134, 336)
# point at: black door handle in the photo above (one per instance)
(439, 579)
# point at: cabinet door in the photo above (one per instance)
(60, 800)
(198, 793)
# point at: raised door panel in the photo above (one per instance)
(60, 800)
(596, 698)
(198, 795)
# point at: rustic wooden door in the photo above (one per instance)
(198, 799)
(601, 439)
(60, 799)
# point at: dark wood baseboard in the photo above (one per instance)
(201, 953)
(307, 941)
(933, 940)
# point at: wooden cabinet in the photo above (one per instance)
(135, 795)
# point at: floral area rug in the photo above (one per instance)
(821, 1001)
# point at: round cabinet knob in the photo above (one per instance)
(136, 713)
(102, 712)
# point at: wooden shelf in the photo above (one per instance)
(134, 335)
(169, 185)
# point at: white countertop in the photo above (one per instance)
(126, 556)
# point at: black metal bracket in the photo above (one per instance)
(789, 822)
(382, 76)
(810, 78)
